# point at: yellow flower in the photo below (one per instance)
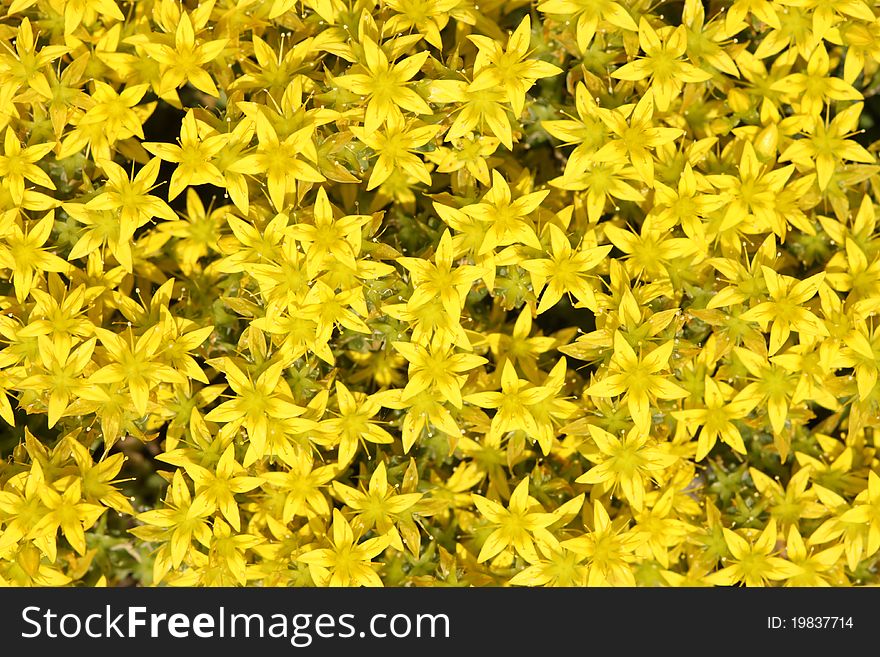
(686, 206)
(507, 219)
(785, 311)
(63, 378)
(518, 347)
(812, 89)
(862, 39)
(637, 376)
(217, 489)
(379, 506)
(469, 153)
(662, 64)
(386, 85)
(116, 114)
(652, 251)
(301, 487)
(745, 283)
(135, 362)
(826, 146)
(255, 402)
(658, 530)
(558, 566)
(227, 563)
(330, 238)
(512, 403)
(635, 138)
(625, 462)
(519, 526)
(773, 385)
(565, 271)
(22, 507)
(436, 368)
(552, 411)
(354, 425)
(235, 162)
(793, 504)
(18, 164)
(812, 568)
(851, 532)
(588, 130)
(750, 196)
(440, 280)
(184, 520)
(707, 40)
(589, 15)
(609, 548)
(861, 353)
(77, 11)
(68, 512)
(850, 270)
(346, 562)
(509, 68)
(184, 61)
(193, 157)
(763, 10)
(754, 563)
(23, 254)
(866, 510)
(477, 107)
(716, 419)
(331, 309)
(428, 17)
(197, 234)
(97, 478)
(274, 69)
(815, 360)
(284, 161)
(602, 182)
(426, 411)
(250, 243)
(25, 59)
(396, 146)
(131, 198)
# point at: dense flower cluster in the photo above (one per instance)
(439, 292)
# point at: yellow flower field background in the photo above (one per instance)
(439, 292)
